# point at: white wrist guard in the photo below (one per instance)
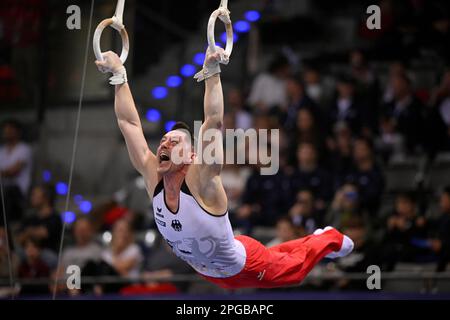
(119, 77)
(207, 72)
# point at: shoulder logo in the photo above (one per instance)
(158, 209)
(176, 225)
(161, 223)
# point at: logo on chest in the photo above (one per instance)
(158, 212)
(176, 225)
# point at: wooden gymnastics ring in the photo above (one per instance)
(116, 23)
(223, 14)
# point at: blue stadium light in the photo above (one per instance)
(77, 198)
(199, 58)
(174, 81)
(159, 92)
(169, 125)
(241, 26)
(69, 217)
(252, 16)
(223, 37)
(46, 176)
(61, 188)
(85, 206)
(188, 70)
(153, 115)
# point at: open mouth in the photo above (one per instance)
(163, 157)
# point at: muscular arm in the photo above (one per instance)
(130, 125)
(211, 129)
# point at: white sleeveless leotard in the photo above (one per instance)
(204, 241)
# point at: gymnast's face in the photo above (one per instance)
(174, 152)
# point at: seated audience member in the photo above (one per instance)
(33, 267)
(161, 263)
(285, 231)
(85, 248)
(345, 207)
(346, 108)
(340, 148)
(307, 130)
(309, 175)
(237, 114)
(303, 213)
(264, 200)
(44, 222)
(406, 112)
(4, 258)
(297, 100)
(268, 91)
(389, 143)
(440, 242)
(438, 120)
(367, 176)
(314, 86)
(123, 255)
(234, 177)
(123, 258)
(406, 233)
(15, 169)
(364, 254)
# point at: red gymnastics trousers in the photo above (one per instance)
(282, 265)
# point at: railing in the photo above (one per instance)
(403, 276)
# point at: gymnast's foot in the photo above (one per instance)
(346, 247)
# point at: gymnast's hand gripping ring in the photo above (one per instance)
(116, 23)
(223, 14)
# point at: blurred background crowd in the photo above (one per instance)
(364, 120)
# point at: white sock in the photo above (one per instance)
(346, 247)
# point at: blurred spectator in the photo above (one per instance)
(405, 239)
(234, 177)
(269, 89)
(437, 37)
(44, 222)
(440, 242)
(15, 169)
(346, 107)
(367, 88)
(4, 259)
(340, 148)
(297, 100)
(438, 129)
(285, 231)
(161, 263)
(309, 175)
(389, 142)
(364, 254)
(303, 214)
(367, 176)
(345, 206)
(396, 68)
(33, 267)
(314, 87)
(85, 248)
(237, 116)
(265, 199)
(308, 130)
(123, 258)
(123, 255)
(405, 111)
